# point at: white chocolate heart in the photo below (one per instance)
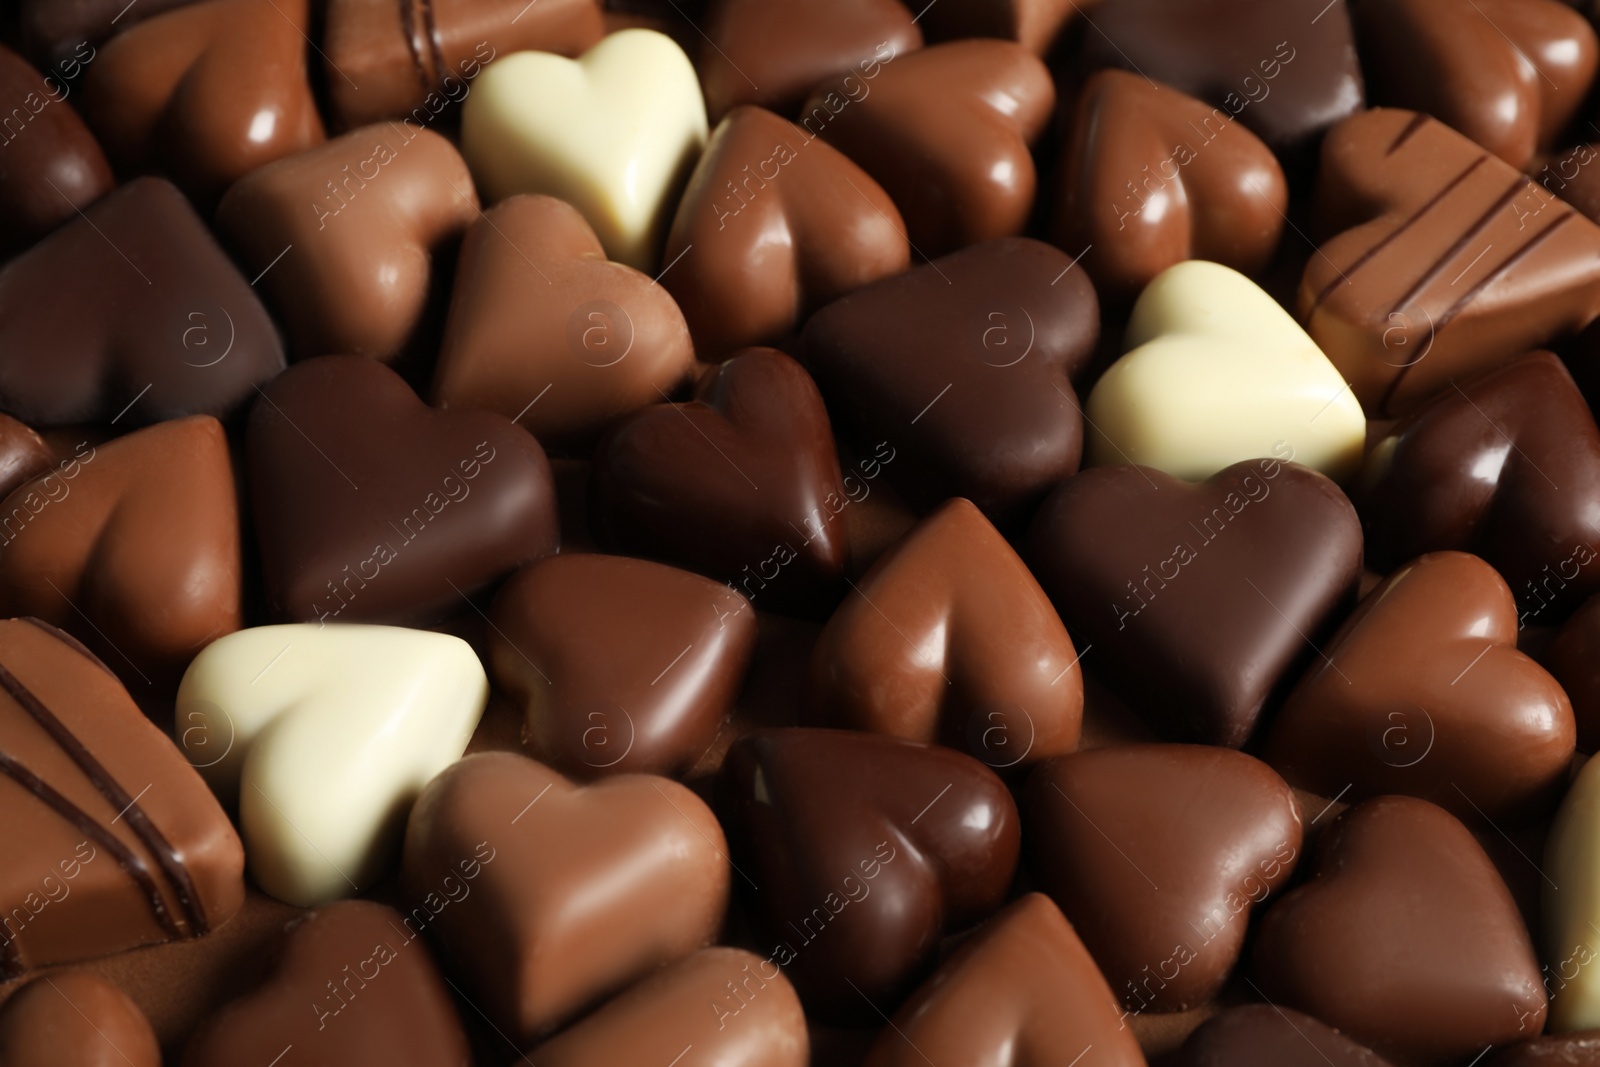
(614, 133)
(1571, 913)
(1217, 372)
(323, 736)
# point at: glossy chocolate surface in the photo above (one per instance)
(1198, 597)
(74, 1017)
(144, 314)
(1264, 1033)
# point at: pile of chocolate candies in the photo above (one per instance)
(759, 533)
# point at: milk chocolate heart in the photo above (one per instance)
(621, 665)
(50, 164)
(1405, 939)
(545, 329)
(1032, 23)
(583, 891)
(1581, 1049)
(861, 852)
(1266, 1033)
(773, 54)
(964, 366)
(1423, 692)
(343, 237)
(1574, 659)
(413, 58)
(774, 224)
(142, 314)
(375, 994)
(206, 93)
(77, 1018)
(1446, 261)
(741, 484)
(946, 131)
(1197, 598)
(949, 638)
(23, 454)
(1022, 991)
(1152, 177)
(1286, 71)
(755, 1018)
(371, 506)
(133, 547)
(1157, 854)
(111, 839)
(1510, 74)
(1506, 467)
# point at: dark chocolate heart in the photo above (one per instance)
(1445, 261)
(1033, 24)
(1564, 1050)
(621, 665)
(742, 484)
(130, 314)
(23, 455)
(1197, 599)
(1506, 467)
(1023, 992)
(1152, 177)
(963, 366)
(1267, 1034)
(1157, 854)
(370, 505)
(946, 131)
(1423, 692)
(861, 851)
(774, 224)
(352, 987)
(1405, 939)
(1510, 74)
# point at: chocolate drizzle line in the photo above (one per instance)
(1432, 273)
(421, 31)
(1417, 122)
(171, 863)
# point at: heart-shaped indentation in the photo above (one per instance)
(372, 506)
(132, 546)
(206, 93)
(741, 484)
(143, 316)
(412, 58)
(613, 133)
(1510, 74)
(1283, 1037)
(343, 236)
(1152, 177)
(1506, 467)
(1032, 23)
(949, 638)
(1197, 598)
(774, 224)
(59, 151)
(755, 1018)
(772, 55)
(1423, 692)
(322, 736)
(1285, 73)
(1157, 854)
(374, 995)
(1216, 373)
(545, 330)
(112, 841)
(1022, 991)
(861, 852)
(1405, 939)
(78, 1018)
(583, 890)
(946, 131)
(620, 664)
(1569, 916)
(963, 365)
(1446, 261)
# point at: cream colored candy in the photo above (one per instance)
(1218, 372)
(323, 735)
(614, 133)
(1571, 913)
